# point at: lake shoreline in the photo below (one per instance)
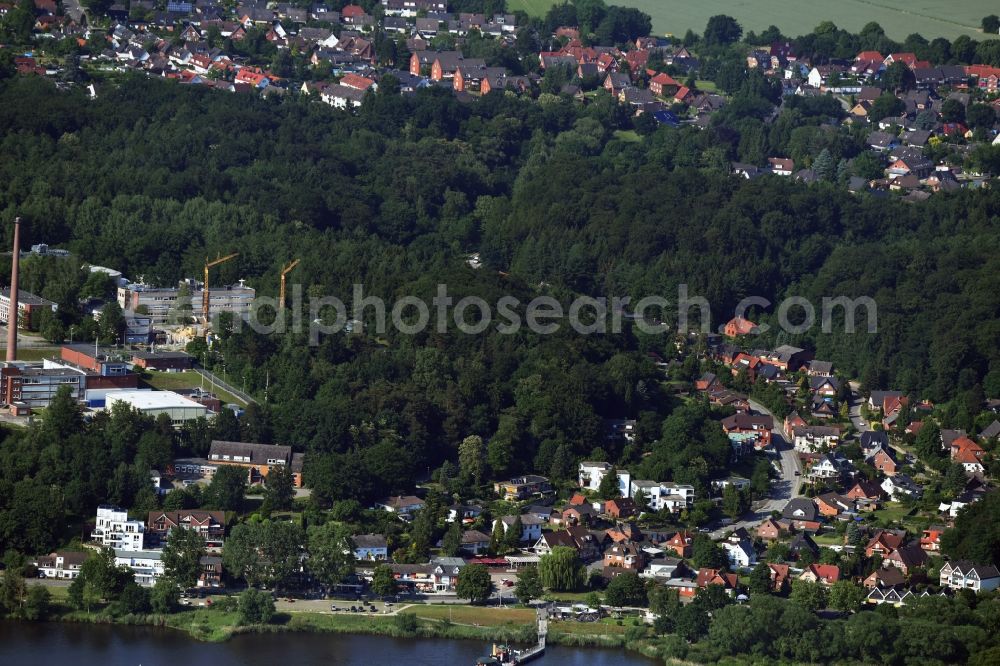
(215, 626)
(118, 644)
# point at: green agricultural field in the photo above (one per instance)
(899, 18)
(530, 7)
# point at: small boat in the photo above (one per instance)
(499, 654)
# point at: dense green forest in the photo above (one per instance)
(152, 177)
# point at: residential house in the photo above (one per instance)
(871, 440)
(211, 525)
(63, 565)
(624, 556)
(992, 431)
(146, 565)
(740, 551)
(900, 485)
(779, 576)
(720, 397)
(894, 596)
(590, 475)
(113, 529)
(707, 382)
(930, 540)
(802, 543)
(342, 97)
(623, 507)
(580, 514)
(467, 513)
(663, 84)
(893, 406)
(738, 326)
(809, 439)
(620, 430)
(791, 422)
(665, 567)
(964, 575)
(664, 496)
(787, 358)
(825, 574)
(884, 543)
(370, 548)
(770, 530)
(680, 544)
(210, 571)
(864, 489)
(820, 368)
(752, 429)
(577, 538)
(884, 460)
(827, 466)
(906, 558)
(728, 581)
(522, 487)
(885, 577)
(968, 454)
(475, 542)
(832, 505)
(258, 459)
(402, 505)
(615, 82)
(823, 385)
(802, 514)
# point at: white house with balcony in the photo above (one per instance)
(963, 575)
(113, 529)
(147, 565)
(659, 496)
(591, 474)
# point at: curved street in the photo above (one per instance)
(786, 487)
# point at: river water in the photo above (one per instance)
(48, 644)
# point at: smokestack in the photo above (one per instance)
(12, 312)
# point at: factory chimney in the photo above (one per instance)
(13, 310)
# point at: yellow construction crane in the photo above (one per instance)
(281, 293)
(204, 294)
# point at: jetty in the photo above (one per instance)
(503, 654)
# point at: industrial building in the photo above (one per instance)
(29, 307)
(154, 403)
(160, 303)
(34, 385)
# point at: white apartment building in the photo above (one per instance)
(147, 565)
(114, 530)
(670, 496)
(591, 474)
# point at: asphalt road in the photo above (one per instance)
(73, 9)
(854, 409)
(789, 485)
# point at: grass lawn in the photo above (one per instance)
(530, 7)
(706, 86)
(569, 597)
(477, 615)
(36, 353)
(629, 136)
(169, 381)
(604, 627)
(899, 18)
(829, 539)
(893, 512)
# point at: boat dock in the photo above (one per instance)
(504, 654)
(538, 650)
